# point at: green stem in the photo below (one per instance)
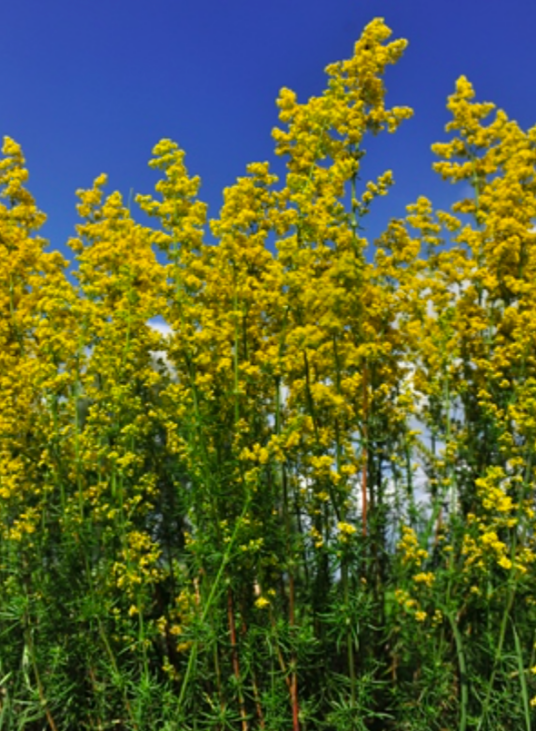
(498, 654)
(522, 679)
(215, 587)
(463, 672)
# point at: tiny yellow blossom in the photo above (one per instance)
(346, 528)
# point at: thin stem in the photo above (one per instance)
(214, 588)
(235, 658)
(463, 673)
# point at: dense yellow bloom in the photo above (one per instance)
(409, 547)
(426, 578)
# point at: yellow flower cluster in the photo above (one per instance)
(408, 546)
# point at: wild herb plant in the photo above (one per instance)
(308, 505)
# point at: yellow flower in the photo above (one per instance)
(346, 528)
(424, 578)
(505, 562)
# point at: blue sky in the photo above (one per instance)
(90, 87)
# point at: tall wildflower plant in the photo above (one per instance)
(306, 500)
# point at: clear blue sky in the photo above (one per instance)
(90, 87)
